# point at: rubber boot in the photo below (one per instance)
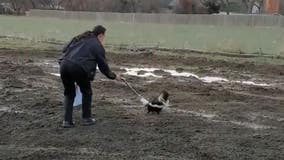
(68, 116)
(86, 110)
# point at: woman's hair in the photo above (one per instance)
(94, 33)
(99, 30)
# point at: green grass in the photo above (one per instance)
(208, 38)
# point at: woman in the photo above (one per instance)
(78, 64)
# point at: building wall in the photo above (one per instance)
(272, 6)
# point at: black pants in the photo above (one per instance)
(71, 73)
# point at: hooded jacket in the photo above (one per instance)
(88, 53)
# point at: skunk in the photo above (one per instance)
(157, 103)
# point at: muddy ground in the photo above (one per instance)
(206, 121)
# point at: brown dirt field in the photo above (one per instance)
(206, 121)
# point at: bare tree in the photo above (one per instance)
(149, 6)
(250, 3)
(226, 4)
(33, 4)
(20, 6)
(23, 5)
(198, 6)
(49, 4)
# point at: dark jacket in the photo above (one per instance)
(87, 53)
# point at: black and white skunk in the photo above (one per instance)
(157, 103)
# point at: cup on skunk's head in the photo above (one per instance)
(165, 95)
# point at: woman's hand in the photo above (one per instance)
(120, 78)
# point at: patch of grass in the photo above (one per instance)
(208, 38)
(12, 43)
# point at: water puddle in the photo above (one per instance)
(251, 125)
(8, 110)
(198, 114)
(280, 119)
(52, 64)
(253, 116)
(142, 72)
(213, 79)
(151, 81)
(55, 74)
(150, 72)
(253, 83)
(48, 63)
(4, 109)
(180, 74)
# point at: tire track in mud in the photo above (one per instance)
(216, 118)
(258, 96)
(211, 117)
(76, 151)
